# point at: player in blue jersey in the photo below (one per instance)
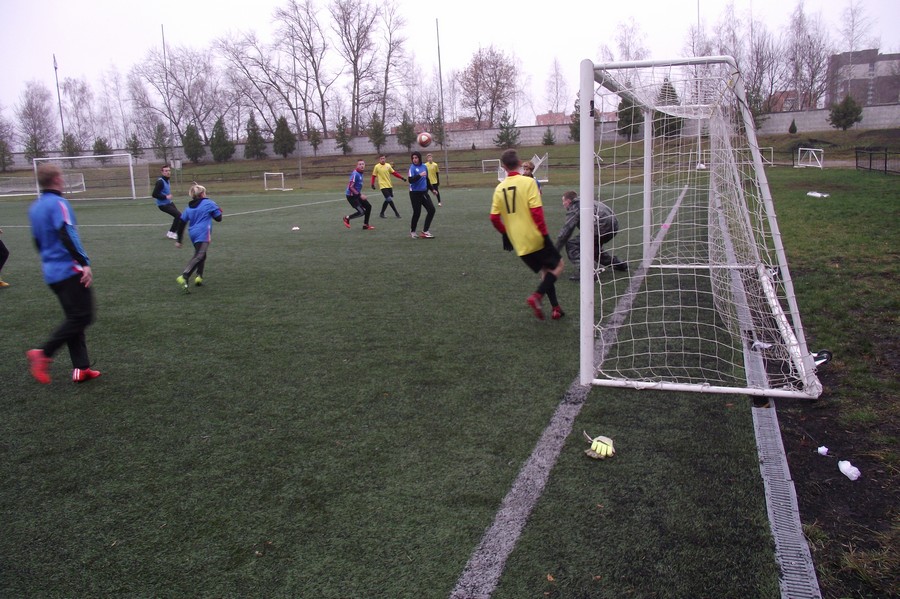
(162, 193)
(357, 198)
(199, 216)
(67, 271)
(418, 197)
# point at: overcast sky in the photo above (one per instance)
(88, 36)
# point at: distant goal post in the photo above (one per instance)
(810, 157)
(107, 176)
(275, 182)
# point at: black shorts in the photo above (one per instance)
(547, 257)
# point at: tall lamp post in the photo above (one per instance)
(59, 98)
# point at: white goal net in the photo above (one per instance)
(274, 182)
(112, 176)
(707, 301)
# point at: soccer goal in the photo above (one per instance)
(111, 176)
(275, 182)
(707, 303)
(810, 157)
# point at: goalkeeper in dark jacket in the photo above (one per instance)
(607, 225)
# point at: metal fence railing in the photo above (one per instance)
(881, 160)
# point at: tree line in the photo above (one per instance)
(340, 72)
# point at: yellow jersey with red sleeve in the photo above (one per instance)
(517, 210)
(433, 171)
(382, 173)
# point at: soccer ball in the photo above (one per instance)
(424, 139)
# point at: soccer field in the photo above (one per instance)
(339, 413)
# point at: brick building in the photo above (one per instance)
(872, 79)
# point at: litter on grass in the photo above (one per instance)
(849, 470)
(816, 194)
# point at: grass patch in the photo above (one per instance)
(339, 413)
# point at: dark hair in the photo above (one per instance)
(570, 195)
(510, 159)
(419, 154)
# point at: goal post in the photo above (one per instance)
(707, 302)
(274, 182)
(109, 176)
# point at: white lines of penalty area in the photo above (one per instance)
(228, 214)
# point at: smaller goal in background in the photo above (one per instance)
(275, 182)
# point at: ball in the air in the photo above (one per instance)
(424, 139)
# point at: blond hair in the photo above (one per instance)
(197, 191)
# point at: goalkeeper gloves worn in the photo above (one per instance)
(507, 245)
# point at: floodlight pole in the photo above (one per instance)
(443, 115)
(59, 99)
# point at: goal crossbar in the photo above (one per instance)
(104, 176)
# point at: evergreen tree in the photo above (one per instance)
(342, 136)
(315, 140)
(162, 142)
(284, 142)
(575, 125)
(192, 144)
(376, 133)
(549, 139)
(793, 128)
(630, 119)
(6, 157)
(133, 145)
(406, 132)
(102, 148)
(845, 114)
(255, 146)
(664, 124)
(508, 136)
(221, 148)
(437, 130)
(70, 145)
(33, 148)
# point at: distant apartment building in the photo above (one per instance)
(871, 78)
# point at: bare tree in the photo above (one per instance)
(766, 70)
(391, 25)
(197, 85)
(7, 142)
(556, 89)
(254, 71)
(78, 106)
(630, 41)
(354, 23)
(808, 53)
(302, 32)
(115, 108)
(856, 26)
(153, 95)
(37, 120)
(488, 85)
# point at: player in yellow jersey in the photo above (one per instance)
(518, 214)
(382, 172)
(434, 176)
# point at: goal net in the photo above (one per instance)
(112, 176)
(274, 182)
(707, 301)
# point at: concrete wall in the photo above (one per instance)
(874, 117)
